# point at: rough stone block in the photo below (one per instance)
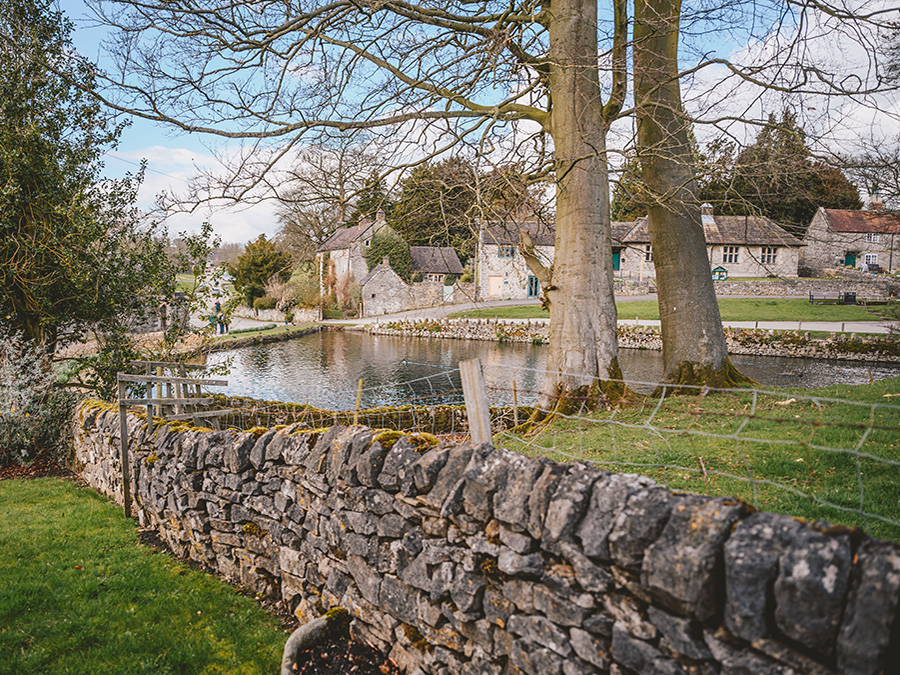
(751, 565)
(258, 452)
(368, 468)
(871, 612)
(811, 588)
(518, 542)
(558, 604)
(684, 636)
(399, 458)
(512, 563)
(593, 649)
(589, 576)
(428, 467)
(467, 590)
(638, 525)
(511, 498)
(542, 631)
(539, 499)
(681, 568)
(608, 497)
(236, 455)
(448, 477)
(368, 581)
(568, 504)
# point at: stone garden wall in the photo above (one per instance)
(479, 560)
(746, 341)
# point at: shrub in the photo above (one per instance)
(252, 292)
(467, 276)
(35, 415)
(266, 302)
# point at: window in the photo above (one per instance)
(871, 258)
(767, 255)
(872, 237)
(368, 241)
(507, 252)
(729, 254)
(648, 253)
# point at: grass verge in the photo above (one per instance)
(787, 453)
(80, 595)
(763, 309)
(277, 330)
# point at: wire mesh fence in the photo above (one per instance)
(831, 454)
(828, 454)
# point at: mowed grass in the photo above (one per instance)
(735, 309)
(278, 330)
(781, 455)
(78, 594)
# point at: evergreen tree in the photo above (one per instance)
(435, 206)
(260, 262)
(73, 253)
(778, 177)
(395, 248)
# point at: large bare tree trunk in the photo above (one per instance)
(694, 348)
(583, 340)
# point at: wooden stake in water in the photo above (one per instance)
(358, 400)
(515, 406)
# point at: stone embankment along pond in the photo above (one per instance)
(740, 341)
(479, 560)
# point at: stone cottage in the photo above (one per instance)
(838, 238)
(501, 271)
(434, 263)
(736, 246)
(346, 248)
(383, 291)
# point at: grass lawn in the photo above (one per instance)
(788, 451)
(763, 309)
(80, 595)
(185, 282)
(231, 337)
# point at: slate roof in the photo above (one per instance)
(508, 234)
(728, 230)
(375, 271)
(343, 238)
(882, 222)
(435, 260)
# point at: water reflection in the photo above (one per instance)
(324, 369)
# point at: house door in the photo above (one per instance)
(495, 286)
(850, 260)
(534, 287)
(448, 293)
(617, 259)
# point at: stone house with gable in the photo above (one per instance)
(736, 246)
(434, 263)
(501, 272)
(864, 239)
(346, 248)
(383, 291)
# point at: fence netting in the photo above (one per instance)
(830, 454)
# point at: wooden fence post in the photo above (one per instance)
(123, 433)
(475, 393)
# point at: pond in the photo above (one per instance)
(324, 369)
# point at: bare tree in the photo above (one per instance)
(318, 191)
(426, 73)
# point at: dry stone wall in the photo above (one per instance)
(477, 560)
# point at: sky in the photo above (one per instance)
(173, 157)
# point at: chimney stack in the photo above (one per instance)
(875, 202)
(386, 261)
